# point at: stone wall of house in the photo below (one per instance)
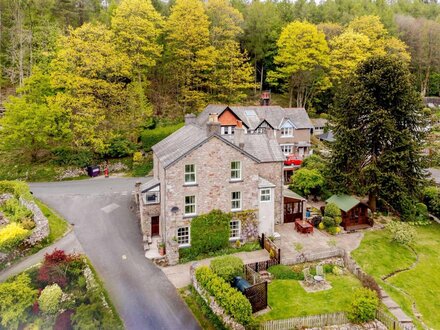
(148, 211)
(41, 230)
(273, 172)
(299, 135)
(227, 320)
(213, 188)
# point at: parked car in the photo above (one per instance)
(293, 160)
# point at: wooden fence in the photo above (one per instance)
(262, 265)
(270, 247)
(313, 256)
(257, 296)
(251, 275)
(391, 322)
(306, 322)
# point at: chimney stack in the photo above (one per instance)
(190, 118)
(213, 125)
(239, 134)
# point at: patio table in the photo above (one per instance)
(318, 278)
(303, 227)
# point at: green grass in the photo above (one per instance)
(288, 299)
(201, 311)
(378, 256)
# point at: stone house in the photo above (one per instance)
(319, 125)
(198, 169)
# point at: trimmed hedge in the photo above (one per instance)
(232, 301)
(150, 137)
(364, 305)
(210, 232)
(11, 236)
(432, 199)
(227, 267)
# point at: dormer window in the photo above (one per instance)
(287, 131)
(227, 130)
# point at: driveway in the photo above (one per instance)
(109, 234)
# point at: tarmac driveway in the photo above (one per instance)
(108, 231)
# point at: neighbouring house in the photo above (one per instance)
(198, 169)
(327, 137)
(435, 175)
(319, 125)
(355, 213)
(291, 127)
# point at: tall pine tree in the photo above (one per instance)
(379, 131)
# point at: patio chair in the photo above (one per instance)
(320, 271)
(308, 278)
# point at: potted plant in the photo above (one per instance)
(162, 248)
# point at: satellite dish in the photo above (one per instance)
(174, 209)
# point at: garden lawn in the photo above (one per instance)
(378, 256)
(288, 299)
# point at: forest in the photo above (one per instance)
(91, 75)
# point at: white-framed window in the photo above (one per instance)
(235, 229)
(260, 130)
(265, 195)
(286, 149)
(190, 173)
(236, 201)
(287, 131)
(183, 236)
(190, 205)
(227, 130)
(236, 170)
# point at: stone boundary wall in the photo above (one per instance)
(41, 230)
(227, 320)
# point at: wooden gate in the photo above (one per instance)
(257, 296)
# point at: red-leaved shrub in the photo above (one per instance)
(56, 268)
(63, 321)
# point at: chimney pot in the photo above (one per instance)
(213, 117)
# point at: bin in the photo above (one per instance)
(93, 171)
(241, 284)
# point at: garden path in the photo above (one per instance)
(179, 275)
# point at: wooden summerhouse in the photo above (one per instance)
(354, 212)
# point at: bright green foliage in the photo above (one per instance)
(11, 236)
(16, 298)
(232, 301)
(283, 272)
(332, 210)
(307, 181)
(137, 26)
(150, 137)
(227, 267)
(402, 233)
(49, 299)
(14, 211)
(97, 94)
(190, 57)
(364, 305)
(377, 119)
(347, 51)
(210, 232)
(17, 188)
(432, 199)
(370, 26)
(303, 57)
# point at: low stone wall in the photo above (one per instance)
(3, 199)
(41, 230)
(227, 320)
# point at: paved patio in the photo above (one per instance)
(180, 277)
(319, 241)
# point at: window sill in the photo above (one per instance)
(234, 239)
(190, 184)
(235, 180)
(189, 216)
(187, 245)
(151, 203)
(236, 210)
(266, 201)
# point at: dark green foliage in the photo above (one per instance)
(150, 137)
(120, 147)
(282, 272)
(73, 156)
(432, 200)
(232, 301)
(363, 306)
(227, 267)
(189, 254)
(210, 232)
(377, 118)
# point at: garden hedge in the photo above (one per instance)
(232, 301)
(210, 232)
(150, 137)
(432, 200)
(17, 188)
(227, 267)
(364, 305)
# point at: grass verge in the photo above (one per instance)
(200, 309)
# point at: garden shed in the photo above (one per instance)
(354, 212)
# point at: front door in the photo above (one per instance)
(154, 226)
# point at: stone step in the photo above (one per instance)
(390, 303)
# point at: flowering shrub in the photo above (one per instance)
(11, 236)
(402, 232)
(49, 299)
(363, 306)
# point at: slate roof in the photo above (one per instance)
(189, 137)
(291, 194)
(344, 202)
(252, 116)
(153, 182)
(329, 137)
(319, 122)
(263, 183)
